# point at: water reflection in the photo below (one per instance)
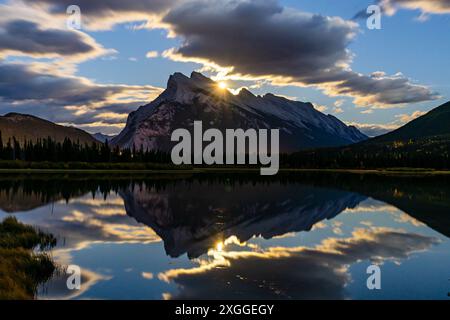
(192, 217)
(293, 273)
(303, 236)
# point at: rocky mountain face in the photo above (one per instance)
(198, 98)
(24, 126)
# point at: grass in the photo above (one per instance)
(22, 269)
(160, 168)
(46, 165)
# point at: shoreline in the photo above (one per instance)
(203, 170)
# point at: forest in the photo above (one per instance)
(73, 151)
(429, 153)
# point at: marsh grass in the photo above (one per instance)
(24, 262)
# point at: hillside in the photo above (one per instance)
(434, 123)
(23, 126)
(421, 143)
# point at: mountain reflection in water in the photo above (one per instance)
(240, 236)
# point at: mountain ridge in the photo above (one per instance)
(421, 143)
(29, 127)
(433, 123)
(199, 98)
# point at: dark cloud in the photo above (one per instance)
(323, 275)
(68, 99)
(27, 37)
(261, 39)
(105, 14)
(104, 7)
(21, 82)
(379, 89)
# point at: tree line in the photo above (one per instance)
(428, 152)
(48, 149)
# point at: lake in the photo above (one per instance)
(240, 236)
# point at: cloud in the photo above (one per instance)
(324, 268)
(85, 220)
(100, 15)
(27, 88)
(254, 40)
(266, 37)
(21, 37)
(405, 118)
(337, 110)
(373, 130)
(22, 82)
(246, 40)
(339, 103)
(56, 288)
(147, 275)
(257, 40)
(321, 108)
(30, 32)
(381, 91)
(427, 7)
(152, 54)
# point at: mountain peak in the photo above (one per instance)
(246, 93)
(176, 78)
(179, 82)
(197, 97)
(198, 77)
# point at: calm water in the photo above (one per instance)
(304, 236)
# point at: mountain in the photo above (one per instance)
(24, 126)
(188, 221)
(199, 98)
(102, 137)
(421, 143)
(434, 123)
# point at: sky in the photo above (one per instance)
(318, 51)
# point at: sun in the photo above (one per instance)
(223, 85)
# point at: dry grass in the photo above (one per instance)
(22, 269)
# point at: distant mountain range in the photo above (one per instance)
(199, 98)
(27, 127)
(102, 137)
